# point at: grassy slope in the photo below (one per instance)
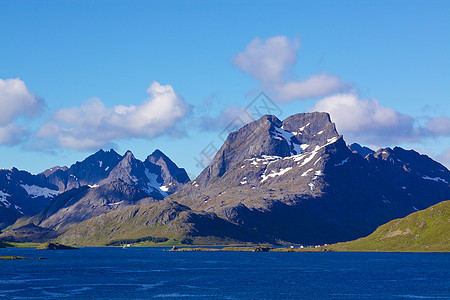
(423, 231)
(124, 224)
(18, 245)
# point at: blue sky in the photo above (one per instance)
(77, 76)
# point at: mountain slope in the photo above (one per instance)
(103, 182)
(423, 231)
(297, 180)
(163, 219)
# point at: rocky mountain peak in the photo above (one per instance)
(270, 137)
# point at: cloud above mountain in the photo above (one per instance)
(93, 125)
(367, 121)
(16, 102)
(271, 61)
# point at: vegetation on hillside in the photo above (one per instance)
(423, 231)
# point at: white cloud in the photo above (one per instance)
(230, 117)
(315, 86)
(267, 60)
(93, 125)
(271, 60)
(11, 134)
(444, 158)
(15, 102)
(363, 120)
(439, 126)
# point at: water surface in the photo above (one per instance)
(142, 273)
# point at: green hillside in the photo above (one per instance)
(423, 231)
(158, 223)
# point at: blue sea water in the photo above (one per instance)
(142, 273)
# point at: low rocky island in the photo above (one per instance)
(55, 246)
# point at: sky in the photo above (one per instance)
(79, 76)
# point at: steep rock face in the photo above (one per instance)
(269, 137)
(171, 176)
(266, 161)
(158, 176)
(297, 180)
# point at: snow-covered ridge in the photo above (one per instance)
(37, 191)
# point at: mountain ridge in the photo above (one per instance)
(106, 170)
(297, 181)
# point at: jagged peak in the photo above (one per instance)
(129, 155)
(361, 150)
(158, 154)
(271, 119)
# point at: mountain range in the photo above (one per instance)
(61, 197)
(272, 181)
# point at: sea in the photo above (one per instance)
(144, 273)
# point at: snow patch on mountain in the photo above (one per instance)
(290, 139)
(437, 179)
(264, 160)
(274, 174)
(19, 209)
(3, 200)
(306, 172)
(115, 203)
(35, 191)
(153, 183)
(342, 162)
